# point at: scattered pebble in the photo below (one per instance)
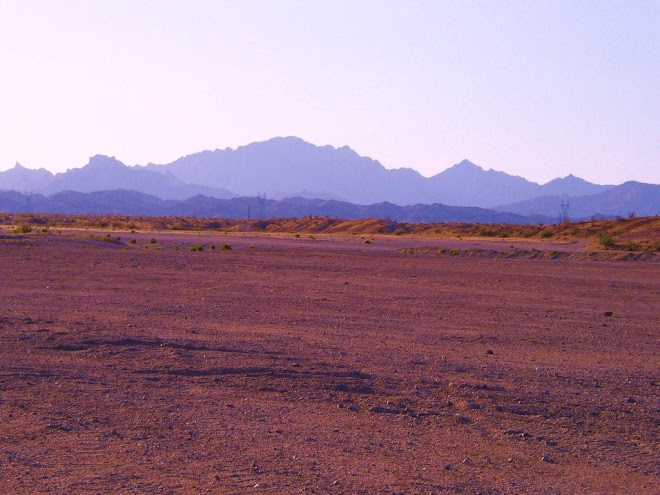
(490, 352)
(546, 458)
(447, 466)
(608, 313)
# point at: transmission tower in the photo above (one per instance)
(563, 211)
(29, 208)
(261, 203)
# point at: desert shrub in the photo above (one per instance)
(545, 233)
(225, 247)
(297, 236)
(504, 235)
(632, 246)
(212, 247)
(197, 247)
(454, 252)
(133, 241)
(106, 238)
(153, 241)
(37, 220)
(214, 225)
(605, 239)
(23, 228)
(484, 231)
(367, 241)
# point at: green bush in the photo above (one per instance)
(606, 240)
(197, 247)
(632, 246)
(23, 228)
(545, 233)
(484, 231)
(225, 247)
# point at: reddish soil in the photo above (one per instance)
(292, 365)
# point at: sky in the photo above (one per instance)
(538, 88)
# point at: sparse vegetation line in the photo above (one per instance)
(625, 234)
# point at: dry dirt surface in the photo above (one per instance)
(327, 365)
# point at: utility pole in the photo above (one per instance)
(246, 227)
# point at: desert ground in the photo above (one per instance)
(325, 364)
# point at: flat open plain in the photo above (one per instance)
(323, 365)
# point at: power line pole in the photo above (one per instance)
(246, 227)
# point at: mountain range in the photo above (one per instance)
(105, 173)
(125, 202)
(289, 167)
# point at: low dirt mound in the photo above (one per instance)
(534, 254)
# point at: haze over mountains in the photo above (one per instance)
(104, 173)
(290, 167)
(125, 202)
(285, 167)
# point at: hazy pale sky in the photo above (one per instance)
(533, 88)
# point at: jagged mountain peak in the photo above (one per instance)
(104, 161)
(465, 163)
